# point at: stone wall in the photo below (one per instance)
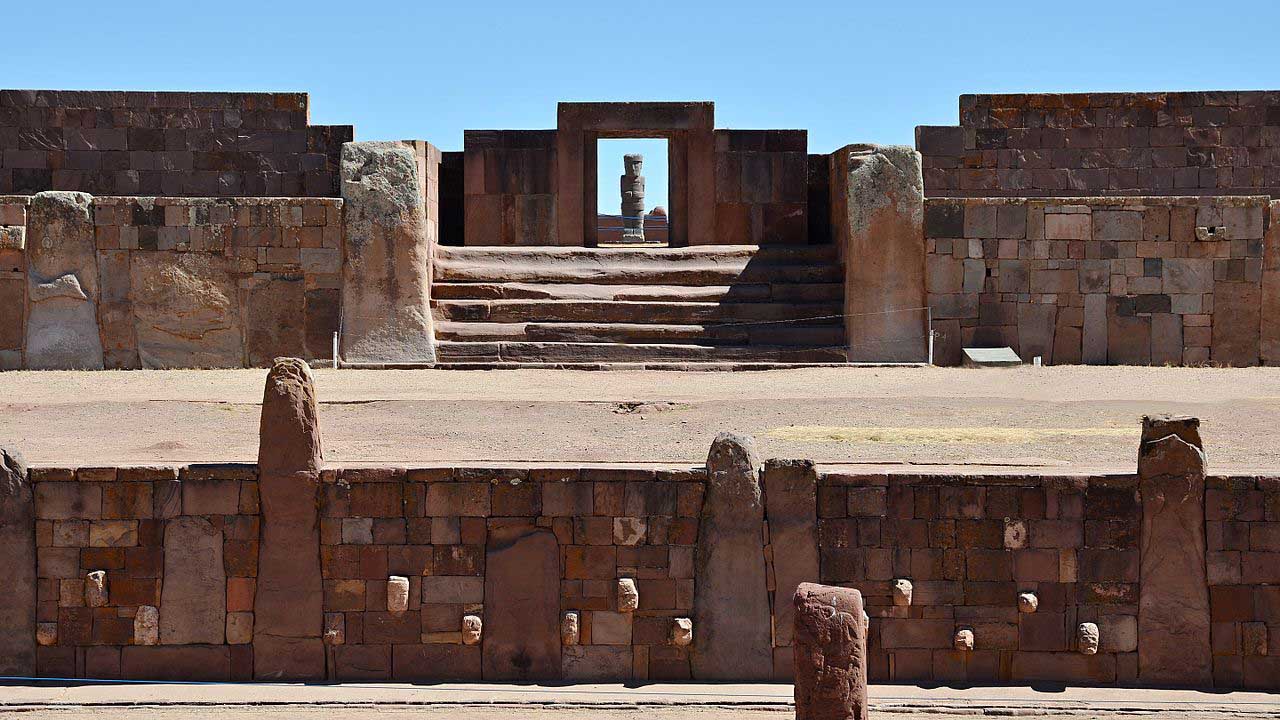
(762, 187)
(509, 178)
(1181, 143)
(166, 143)
(13, 278)
(185, 282)
(1099, 280)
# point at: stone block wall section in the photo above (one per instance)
(168, 282)
(186, 144)
(1138, 281)
(290, 571)
(1176, 143)
(762, 187)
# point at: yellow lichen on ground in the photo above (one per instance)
(822, 433)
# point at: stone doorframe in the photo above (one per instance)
(688, 128)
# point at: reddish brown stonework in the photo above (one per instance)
(17, 566)
(522, 606)
(830, 653)
(1174, 611)
(288, 608)
(790, 491)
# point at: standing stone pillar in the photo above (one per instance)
(877, 219)
(288, 607)
(633, 198)
(731, 596)
(791, 505)
(386, 271)
(62, 284)
(830, 653)
(17, 567)
(1173, 605)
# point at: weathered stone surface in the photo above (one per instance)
(877, 218)
(632, 186)
(62, 291)
(146, 626)
(288, 606)
(435, 662)
(522, 605)
(791, 507)
(239, 628)
(397, 594)
(1155, 427)
(731, 597)
(1173, 609)
(1028, 602)
(570, 628)
(600, 663)
(1237, 323)
(335, 628)
(273, 324)
(903, 592)
(95, 589)
(195, 584)
(200, 663)
(1087, 638)
(46, 636)
(628, 595)
(17, 567)
(682, 632)
(387, 267)
(472, 628)
(830, 653)
(187, 311)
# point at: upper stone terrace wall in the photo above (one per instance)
(1120, 281)
(169, 282)
(1176, 143)
(166, 143)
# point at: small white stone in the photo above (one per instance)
(146, 626)
(1087, 637)
(964, 639)
(95, 589)
(681, 632)
(1028, 602)
(1015, 534)
(397, 594)
(902, 591)
(472, 628)
(628, 595)
(570, 628)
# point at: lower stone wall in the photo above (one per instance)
(592, 573)
(1100, 280)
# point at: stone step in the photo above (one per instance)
(744, 292)
(622, 266)
(614, 311)
(781, 335)
(578, 352)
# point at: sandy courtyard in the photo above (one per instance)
(1043, 418)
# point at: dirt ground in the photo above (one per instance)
(1041, 418)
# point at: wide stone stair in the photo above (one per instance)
(653, 307)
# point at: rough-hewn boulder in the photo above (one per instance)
(386, 272)
(17, 567)
(195, 584)
(830, 653)
(877, 217)
(731, 605)
(62, 291)
(1173, 606)
(186, 310)
(288, 605)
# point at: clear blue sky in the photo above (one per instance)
(847, 71)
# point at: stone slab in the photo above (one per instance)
(791, 507)
(522, 605)
(62, 291)
(193, 598)
(17, 567)
(991, 357)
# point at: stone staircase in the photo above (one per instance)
(654, 307)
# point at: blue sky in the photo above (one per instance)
(847, 71)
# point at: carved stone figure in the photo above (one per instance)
(633, 198)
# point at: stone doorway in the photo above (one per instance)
(632, 189)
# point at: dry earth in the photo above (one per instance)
(1052, 417)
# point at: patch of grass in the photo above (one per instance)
(930, 435)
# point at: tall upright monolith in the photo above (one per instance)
(288, 607)
(632, 182)
(1173, 604)
(830, 653)
(17, 567)
(731, 596)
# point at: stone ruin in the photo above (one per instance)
(633, 198)
(1113, 228)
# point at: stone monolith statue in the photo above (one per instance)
(633, 198)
